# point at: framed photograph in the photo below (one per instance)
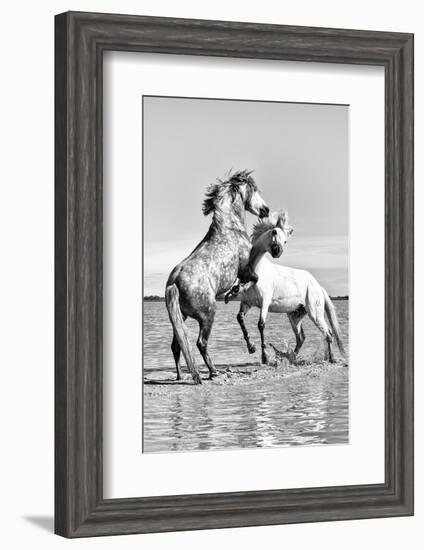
(234, 274)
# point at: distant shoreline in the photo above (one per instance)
(221, 298)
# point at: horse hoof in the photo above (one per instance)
(213, 374)
(252, 349)
(197, 379)
(265, 360)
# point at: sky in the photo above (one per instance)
(299, 154)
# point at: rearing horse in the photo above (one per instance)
(213, 266)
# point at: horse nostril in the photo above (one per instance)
(274, 232)
(263, 211)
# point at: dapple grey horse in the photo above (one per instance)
(213, 266)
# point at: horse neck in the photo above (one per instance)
(226, 219)
(257, 252)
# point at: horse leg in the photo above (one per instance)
(295, 318)
(176, 350)
(234, 290)
(261, 327)
(329, 340)
(328, 335)
(319, 320)
(315, 306)
(244, 308)
(202, 343)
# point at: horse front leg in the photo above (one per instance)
(261, 327)
(244, 308)
(234, 290)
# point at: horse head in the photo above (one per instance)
(238, 193)
(271, 234)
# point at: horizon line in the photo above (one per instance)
(156, 297)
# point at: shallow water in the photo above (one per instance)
(249, 405)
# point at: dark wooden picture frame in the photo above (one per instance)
(80, 40)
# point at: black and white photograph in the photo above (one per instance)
(210, 277)
(245, 274)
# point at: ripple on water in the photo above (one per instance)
(265, 409)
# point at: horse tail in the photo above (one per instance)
(330, 310)
(174, 311)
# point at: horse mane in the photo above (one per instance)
(216, 191)
(275, 219)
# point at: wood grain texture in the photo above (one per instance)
(81, 39)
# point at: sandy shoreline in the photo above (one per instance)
(254, 373)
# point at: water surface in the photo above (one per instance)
(249, 405)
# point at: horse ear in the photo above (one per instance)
(282, 219)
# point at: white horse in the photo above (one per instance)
(281, 289)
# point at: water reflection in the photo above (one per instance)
(294, 410)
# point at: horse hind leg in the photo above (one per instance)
(202, 344)
(295, 319)
(244, 308)
(326, 331)
(315, 306)
(328, 335)
(302, 334)
(329, 340)
(176, 350)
